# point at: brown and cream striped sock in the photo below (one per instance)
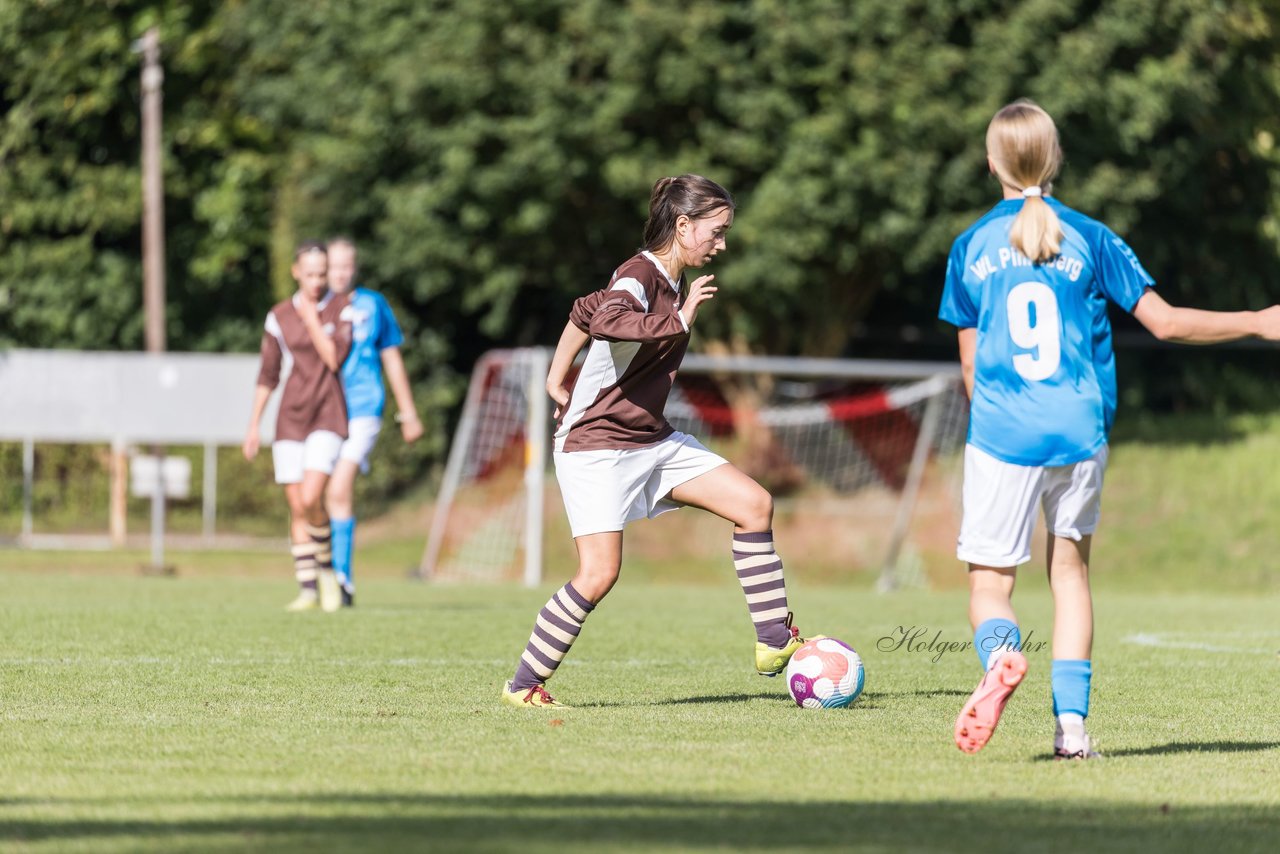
(760, 574)
(304, 566)
(554, 631)
(320, 537)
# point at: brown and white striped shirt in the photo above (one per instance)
(638, 341)
(312, 398)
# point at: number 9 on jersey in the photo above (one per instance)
(1033, 325)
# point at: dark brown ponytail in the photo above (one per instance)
(689, 195)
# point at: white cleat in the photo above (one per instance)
(330, 590)
(1080, 747)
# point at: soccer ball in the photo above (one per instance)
(825, 674)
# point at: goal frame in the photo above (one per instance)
(938, 376)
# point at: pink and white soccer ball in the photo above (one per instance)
(825, 674)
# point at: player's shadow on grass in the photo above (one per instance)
(868, 700)
(882, 699)
(686, 701)
(583, 822)
(1195, 747)
(726, 698)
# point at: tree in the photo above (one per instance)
(69, 145)
(498, 159)
(493, 161)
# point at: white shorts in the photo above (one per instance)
(362, 435)
(1000, 505)
(318, 452)
(604, 490)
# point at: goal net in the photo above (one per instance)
(845, 446)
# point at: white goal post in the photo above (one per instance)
(828, 427)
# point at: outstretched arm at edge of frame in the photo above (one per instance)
(1196, 326)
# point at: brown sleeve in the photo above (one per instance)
(269, 372)
(584, 308)
(620, 317)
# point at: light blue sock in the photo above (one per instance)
(1071, 677)
(344, 536)
(991, 635)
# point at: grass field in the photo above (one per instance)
(193, 714)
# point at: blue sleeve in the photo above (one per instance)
(957, 304)
(1120, 273)
(389, 334)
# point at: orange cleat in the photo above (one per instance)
(980, 715)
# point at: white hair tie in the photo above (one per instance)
(1032, 192)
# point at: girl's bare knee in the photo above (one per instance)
(1070, 575)
(758, 512)
(594, 580)
(600, 572)
(312, 501)
(988, 580)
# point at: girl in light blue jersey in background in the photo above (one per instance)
(375, 352)
(1028, 285)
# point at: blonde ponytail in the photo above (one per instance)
(1022, 145)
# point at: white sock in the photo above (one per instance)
(994, 658)
(1070, 728)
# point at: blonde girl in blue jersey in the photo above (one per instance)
(375, 353)
(1028, 286)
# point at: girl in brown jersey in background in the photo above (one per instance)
(618, 459)
(310, 334)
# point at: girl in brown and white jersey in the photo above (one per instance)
(309, 336)
(617, 457)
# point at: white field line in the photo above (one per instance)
(1250, 635)
(1165, 641)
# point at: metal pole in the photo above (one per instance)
(210, 471)
(157, 516)
(28, 487)
(152, 192)
(153, 290)
(118, 512)
(911, 490)
(535, 465)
